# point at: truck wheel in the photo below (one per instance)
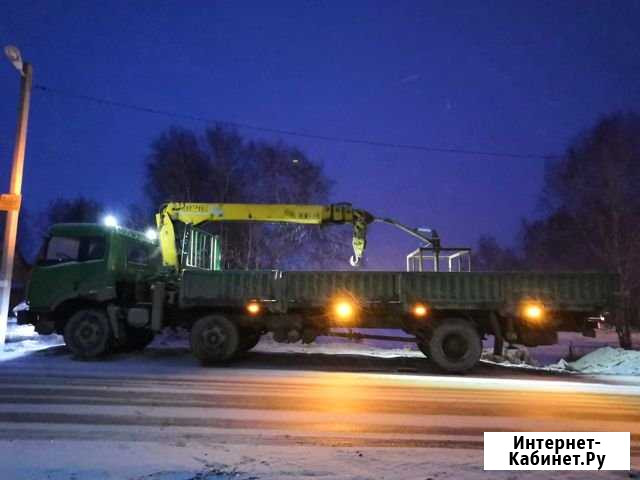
(455, 345)
(214, 339)
(87, 333)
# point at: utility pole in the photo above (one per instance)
(11, 201)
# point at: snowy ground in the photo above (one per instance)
(597, 355)
(573, 353)
(140, 462)
(606, 361)
(22, 339)
(157, 415)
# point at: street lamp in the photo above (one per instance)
(11, 202)
(13, 54)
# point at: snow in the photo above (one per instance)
(512, 357)
(603, 359)
(188, 458)
(342, 346)
(598, 354)
(179, 338)
(575, 354)
(23, 339)
(606, 361)
(131, 461)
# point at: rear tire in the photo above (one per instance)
(214, 339)
(88, 333)
(455, 345)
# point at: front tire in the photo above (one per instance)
(455, 345)
(214, 339)
(88, 333)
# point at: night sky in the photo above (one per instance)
(513, 77)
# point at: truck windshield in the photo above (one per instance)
(72, 249)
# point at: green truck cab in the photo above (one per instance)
(85, 267)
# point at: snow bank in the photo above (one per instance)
(512, 357)
(606, 360)
(179, 338)
(22, 339)
(342, 346)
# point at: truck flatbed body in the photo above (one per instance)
(283, 291)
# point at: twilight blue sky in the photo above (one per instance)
(505, 76)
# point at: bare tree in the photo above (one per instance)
(490, 256)
(33, 227)
(73, 210)
(27, 239)
(177, 169)
(592, 203)
(222, 166)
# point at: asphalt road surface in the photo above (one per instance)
(155, 414)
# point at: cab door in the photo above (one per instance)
(69, 267)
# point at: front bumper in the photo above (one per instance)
(42, 324)
(26, 317)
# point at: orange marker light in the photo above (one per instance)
(253, 308)
(420, 310)
(533, 311)
(343, 310)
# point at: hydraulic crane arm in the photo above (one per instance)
(199, 213)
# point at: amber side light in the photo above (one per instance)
(344, 309)
(420, 310)
(533, 311)
(253, 308)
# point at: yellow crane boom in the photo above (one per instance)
(199, 213)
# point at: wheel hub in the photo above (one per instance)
(214, 338)
(455, 346)
(88, 333)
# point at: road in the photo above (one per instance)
(158, 415)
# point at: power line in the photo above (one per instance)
(292, 133)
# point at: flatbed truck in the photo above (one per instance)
(109, 288)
